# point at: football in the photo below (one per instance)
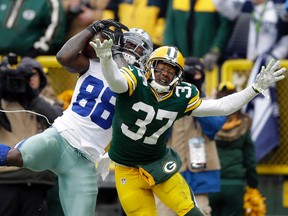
(88, 51)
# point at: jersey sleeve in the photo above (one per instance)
(130, 78)
(133, 75)
(194, 101)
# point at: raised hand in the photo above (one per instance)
(103, 50)
(268, 76)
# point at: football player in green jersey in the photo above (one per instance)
(148, 103)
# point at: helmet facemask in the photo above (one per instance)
(167, 55)
(137, 47)
(160, 88)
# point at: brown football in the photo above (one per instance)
(88, 51)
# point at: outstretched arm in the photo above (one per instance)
(234, 102)
(70, 55)
(226, 105)
(112, 74)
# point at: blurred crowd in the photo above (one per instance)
(215, 30)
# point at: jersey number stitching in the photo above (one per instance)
(161, 114)
(95, 100)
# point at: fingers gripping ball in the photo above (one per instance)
(116, 36)
(103, 50)
(268, 76)
(100, 25)
(115, 33)
(108, 29)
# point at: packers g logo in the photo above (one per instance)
(169, 166)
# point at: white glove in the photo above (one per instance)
(103, 167)
(268, 76)
(103, 50)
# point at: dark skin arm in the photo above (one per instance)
(70, 56)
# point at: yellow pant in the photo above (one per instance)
(137, 198)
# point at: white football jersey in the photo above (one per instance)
(87, 123)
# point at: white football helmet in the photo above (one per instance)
(136, 39)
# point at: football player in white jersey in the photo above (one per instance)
(76, 140)
(147, 104)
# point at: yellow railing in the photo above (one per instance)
(211, 80)
(276, 163)
(231, 66)
(60, 79)
(48, 61)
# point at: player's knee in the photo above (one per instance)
(129, 204)
(14, 158)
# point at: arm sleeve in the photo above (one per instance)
(115, 79)
(226, 105)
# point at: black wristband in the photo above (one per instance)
(91, 29)
(255, 90)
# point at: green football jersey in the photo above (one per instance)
(142, 118)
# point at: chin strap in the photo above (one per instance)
(160, 88)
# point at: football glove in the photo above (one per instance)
(268, 76)
(100, 25)
(103, 50)
(117, 38)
